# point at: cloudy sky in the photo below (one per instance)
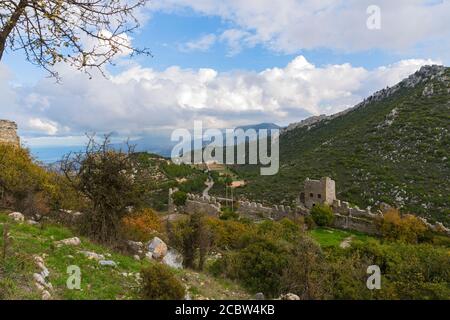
(230, 63)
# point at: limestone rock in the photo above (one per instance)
(75, 241)
(289, 296)
(46, 295)
(17, 216)
(135, 246)
(8, 133)
(259, 296)
(157, 247)
(39, 279)
(108, 263)
(92, 255)
(149, 256)
(173, 259)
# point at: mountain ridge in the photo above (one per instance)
(392, 147)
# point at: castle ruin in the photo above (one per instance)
(8, 133)
(321, 191)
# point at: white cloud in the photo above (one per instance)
(141, 100)
(292, 25)
(236, 39)
(45, 126)
(203, 44)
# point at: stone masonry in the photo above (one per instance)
(8, 133)
(321, 191)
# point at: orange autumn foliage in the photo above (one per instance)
(141, 225)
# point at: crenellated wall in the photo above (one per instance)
(346, 216)
(257, 210)
(354, 218)
(204, 204)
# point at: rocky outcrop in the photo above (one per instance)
(157, 247)
(8, 133)
(426, 73)
(308, 122)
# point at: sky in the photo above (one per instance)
(230, 63)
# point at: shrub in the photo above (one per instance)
(259, 266)
(408, 228)
(309, 222)
(322, 215)
(142, 225)
(25, 185)
(228, 214)
(179, 198)
(306, 273)
(285, 229)
(410, 271)
(227, 234)
(36, 205)
(159, 283)
(193, 238)
(111, 182)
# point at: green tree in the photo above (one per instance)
(407, 228)
(179, 198)
(322, 215)
(193, 238)
(306, 274)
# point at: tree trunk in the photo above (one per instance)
(9, 26)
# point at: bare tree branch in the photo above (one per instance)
(86, 34)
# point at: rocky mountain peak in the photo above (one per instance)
(424, 74)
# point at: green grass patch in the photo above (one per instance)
(97, 282)
(328, 237)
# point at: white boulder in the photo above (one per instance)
(173, 259)
(108, 263)
(157, 247)
(289, 296)
(75, 241)
(149, 256)
(46, 295)
(92, 255)
(17, 216)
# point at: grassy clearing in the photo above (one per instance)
(328, 237)
(97, 282)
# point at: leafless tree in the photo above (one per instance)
(86, 34)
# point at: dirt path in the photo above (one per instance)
(210, 184)
(346, 243)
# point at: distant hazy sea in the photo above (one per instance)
(49, 155)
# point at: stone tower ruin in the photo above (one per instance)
(321, 191)
(8, 133)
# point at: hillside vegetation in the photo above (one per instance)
(122, 281)
(393, 148)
